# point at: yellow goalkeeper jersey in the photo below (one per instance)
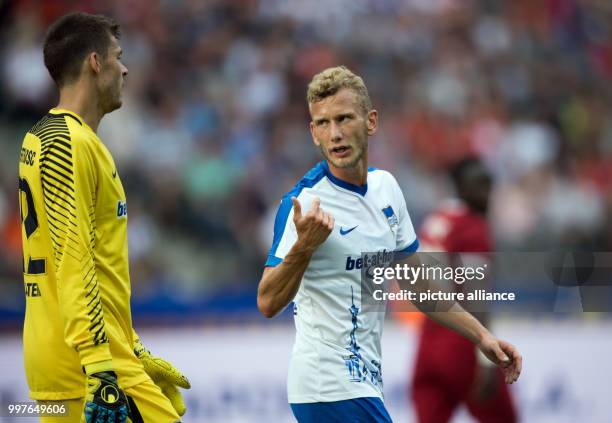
(76, 278)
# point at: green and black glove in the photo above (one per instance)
(105, 402)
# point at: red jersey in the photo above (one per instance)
(453, 228)
(446, 362)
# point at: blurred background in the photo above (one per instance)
(213, 131)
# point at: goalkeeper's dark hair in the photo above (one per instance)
(71, 38)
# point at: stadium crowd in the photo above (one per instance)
(214, 130)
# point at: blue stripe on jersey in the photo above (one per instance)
(312, 177)
(412, 247)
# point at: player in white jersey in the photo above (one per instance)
(335, 374)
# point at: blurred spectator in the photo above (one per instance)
(212, 128)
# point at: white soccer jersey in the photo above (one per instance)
(337, 353)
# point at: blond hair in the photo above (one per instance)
(332, 80)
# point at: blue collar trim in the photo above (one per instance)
(359, 189)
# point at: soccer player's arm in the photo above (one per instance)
(68, 176)
(450, 313)
(68, 179)
(296, 238)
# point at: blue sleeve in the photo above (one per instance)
(276, 254)
(411, 248)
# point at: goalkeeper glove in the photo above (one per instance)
(105, 402)
(164, 375)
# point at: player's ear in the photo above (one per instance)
(93, 62)
(372, 121)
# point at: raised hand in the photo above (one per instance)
(314, 227)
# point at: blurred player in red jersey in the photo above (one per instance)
(448, 370)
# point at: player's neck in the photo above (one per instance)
(78, 99)
(356, 175)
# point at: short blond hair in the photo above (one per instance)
(332, 80)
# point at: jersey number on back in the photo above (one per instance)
(30, 224)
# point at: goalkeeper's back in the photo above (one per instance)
(77, 285)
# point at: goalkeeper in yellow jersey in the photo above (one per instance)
(79, 345)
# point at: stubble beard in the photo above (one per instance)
(112, 96)
(113, 101)
(348, 162)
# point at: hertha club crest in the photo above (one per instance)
(391, 218)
